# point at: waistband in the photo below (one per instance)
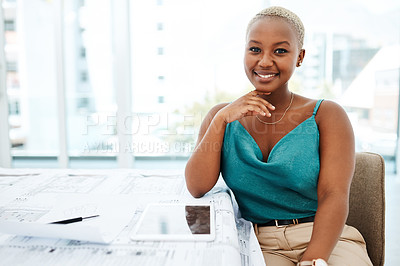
(281, 223)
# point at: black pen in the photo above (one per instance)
(74, 220)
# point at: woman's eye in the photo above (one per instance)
(255, 49)
(280, 51)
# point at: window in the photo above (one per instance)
(9, 25)
(84, 77)
(13, 108)
(83, 52)
(30, 77)
(179, 71)
(90, 87)
(11, 66)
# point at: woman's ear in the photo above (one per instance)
(301, 57)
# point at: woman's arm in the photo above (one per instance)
(207, 152)
(337, 157)
(203, 167)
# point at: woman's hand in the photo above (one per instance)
(249, 104)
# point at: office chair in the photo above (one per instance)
(367, 203)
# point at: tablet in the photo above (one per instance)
(176, 222)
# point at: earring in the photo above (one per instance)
(299, 64)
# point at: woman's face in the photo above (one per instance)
(271, 55)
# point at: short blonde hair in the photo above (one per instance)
(287, 15)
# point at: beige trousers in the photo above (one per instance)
(286, 245)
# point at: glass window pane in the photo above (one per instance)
(186, 56)
(31, 77)
(354, 61)
(91, 106)
(201, 65)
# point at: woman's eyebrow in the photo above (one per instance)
(283, 42)
(277, 43)
(255, 41)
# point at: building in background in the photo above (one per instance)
(17, 135)
(373, 99)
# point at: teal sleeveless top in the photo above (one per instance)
(283, 187)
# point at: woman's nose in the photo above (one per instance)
(265, 61)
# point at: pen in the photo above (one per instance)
(74, 220)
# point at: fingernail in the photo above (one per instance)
(263, 114)
(269, 115)
(272, 107)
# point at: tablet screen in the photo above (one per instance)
(176, 222)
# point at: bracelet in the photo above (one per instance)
(315, 262)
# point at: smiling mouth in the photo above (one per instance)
(266, 76)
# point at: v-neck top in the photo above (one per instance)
(282, 187)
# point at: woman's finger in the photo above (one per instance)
(257, 109)
(262, 106)
(257, 94)
(260, 92)
(265, 103)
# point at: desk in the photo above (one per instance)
(25, 194)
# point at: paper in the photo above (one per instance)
(114, 213)
(68, 231)
(57, 194)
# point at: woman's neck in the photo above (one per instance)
(279, 99)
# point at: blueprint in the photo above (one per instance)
(41, 196)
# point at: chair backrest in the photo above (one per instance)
(367, 203)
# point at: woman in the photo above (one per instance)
(288, 159)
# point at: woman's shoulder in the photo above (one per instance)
(329, 108)
(215, 109)
(322, 105)
(218, 107)
(331, 113)
(211, 113)
(325, 111)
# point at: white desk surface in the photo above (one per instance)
(42, 195)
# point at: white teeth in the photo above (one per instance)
(266, 76)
